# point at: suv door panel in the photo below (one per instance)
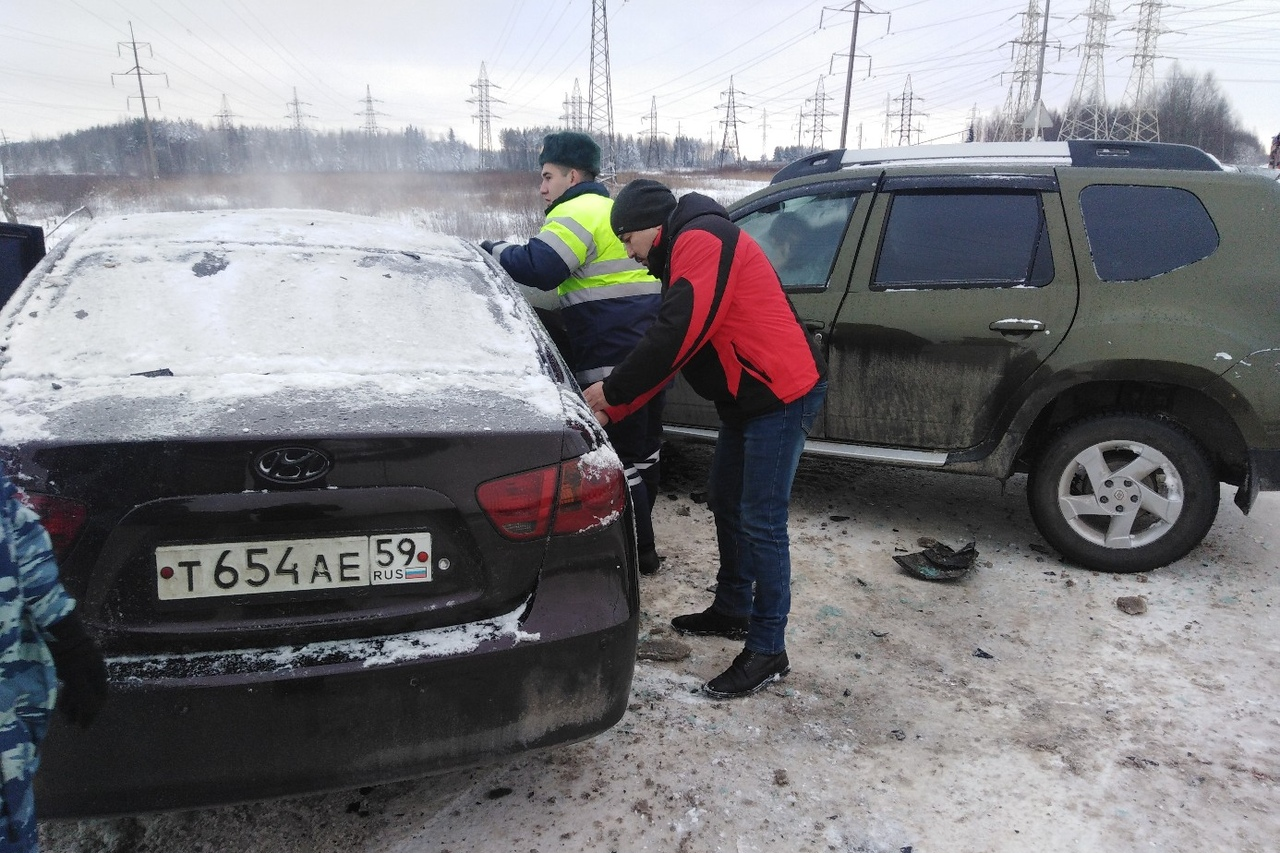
(931, 365)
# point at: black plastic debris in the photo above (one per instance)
(938, 562)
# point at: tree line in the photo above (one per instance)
(190, 148)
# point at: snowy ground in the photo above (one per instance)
(1016, 709)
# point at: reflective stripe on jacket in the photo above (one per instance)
(607, 300)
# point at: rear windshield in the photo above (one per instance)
(214, 309)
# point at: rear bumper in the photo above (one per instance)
(324, 718)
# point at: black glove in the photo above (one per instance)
(487, 245)
(81, 670)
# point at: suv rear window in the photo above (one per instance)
(1142, 232)
(964, 239)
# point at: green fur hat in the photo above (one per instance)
(572, 149)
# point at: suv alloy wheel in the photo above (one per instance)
(1123, 493)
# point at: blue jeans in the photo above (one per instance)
(749, 493)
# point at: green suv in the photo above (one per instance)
(1104, 316)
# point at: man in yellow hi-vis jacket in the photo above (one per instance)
(607, 302)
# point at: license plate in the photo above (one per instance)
(292, 565)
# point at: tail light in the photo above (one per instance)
(62, 518)
(572, 497)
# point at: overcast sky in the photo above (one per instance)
(64, 64)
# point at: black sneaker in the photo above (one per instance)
(649, 562)
(750, 672)
(709, 623)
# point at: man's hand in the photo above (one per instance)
(487, 245)
(594, 395)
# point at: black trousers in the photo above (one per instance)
(637, 439)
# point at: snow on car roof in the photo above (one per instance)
(215, 307)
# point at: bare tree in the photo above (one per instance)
(1193, 111)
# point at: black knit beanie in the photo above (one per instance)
(572, 149)
(641, 204)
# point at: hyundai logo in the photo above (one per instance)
(291, 466)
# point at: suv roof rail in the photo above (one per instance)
(1076, 152)
(1141, 155)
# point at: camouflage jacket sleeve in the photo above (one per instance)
(31, 595)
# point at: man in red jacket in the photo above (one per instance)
(726, 324)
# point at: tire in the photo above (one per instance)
(1086, 507)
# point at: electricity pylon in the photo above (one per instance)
(1086, 116)
(729, 144)
(225, 116)
(819, 116)
(574, 117)
(369, 113)
(907, 113)
(600, 103)
(297, 118)
(1137, 117)
(484, 102)
(857, 7)
(1022, 85)
(138, 71)
(652, 133)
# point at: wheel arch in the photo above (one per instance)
(1211, 423)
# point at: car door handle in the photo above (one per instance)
(1016, 326)
(816, 327)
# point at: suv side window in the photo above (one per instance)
(802, 234)
(949, 238)
(1138, 232)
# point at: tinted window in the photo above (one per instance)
(964, 239)
(801, 235)
(1142, 232)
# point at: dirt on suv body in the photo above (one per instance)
(1104, 316)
